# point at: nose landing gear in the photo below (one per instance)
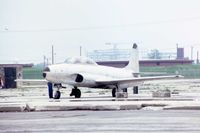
(57, 94)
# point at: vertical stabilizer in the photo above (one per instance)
(134, 60)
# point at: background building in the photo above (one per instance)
(124, 54)
(10, 72)
(119, 57)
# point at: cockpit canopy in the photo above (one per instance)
(80, 60)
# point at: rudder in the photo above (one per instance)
(134, 60)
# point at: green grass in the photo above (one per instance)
(32, 73)
(189, 71)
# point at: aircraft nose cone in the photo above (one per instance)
(44, 75)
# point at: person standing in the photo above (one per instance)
(1, 83)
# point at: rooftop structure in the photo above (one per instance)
(124, 54)
(109, 54)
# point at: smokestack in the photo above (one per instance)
(180, 53)
(191, 52)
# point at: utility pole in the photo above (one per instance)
(80, 50)
(197, 57)
(191, 52)
(52, 55)
(44, 61)
(177, 56)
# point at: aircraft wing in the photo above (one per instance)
(138, 79)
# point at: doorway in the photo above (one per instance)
(10, 76)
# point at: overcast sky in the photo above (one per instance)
(28, 28)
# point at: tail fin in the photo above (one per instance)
(134, 60)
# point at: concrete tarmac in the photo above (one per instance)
(30, 110)
(185, 96)
(140, 121)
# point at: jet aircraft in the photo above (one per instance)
(84, 72)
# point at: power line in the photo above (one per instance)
(104, 27)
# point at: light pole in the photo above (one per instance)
(80, 50)
(52, 54)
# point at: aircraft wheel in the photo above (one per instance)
(114, 92)
(77, 93)
(125, 90)
(57, 95)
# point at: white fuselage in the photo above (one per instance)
(67, 73)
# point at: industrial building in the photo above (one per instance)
(119, 58)
(124, 54)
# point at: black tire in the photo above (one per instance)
(114, 92)
(57, 95)
(125, 90)
(77, 93)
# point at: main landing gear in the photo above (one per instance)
(57, 95)
(117, 90)
(75, 92)
(114, 92)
